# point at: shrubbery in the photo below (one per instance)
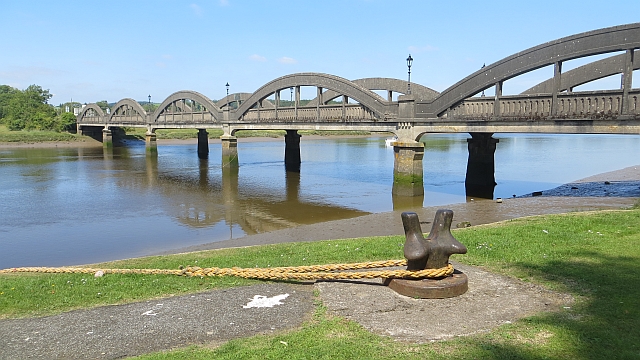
(28, 110)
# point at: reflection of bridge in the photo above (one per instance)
(192, 202)
(550, 107)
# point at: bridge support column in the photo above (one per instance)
(203, 144)
(480, 179)
(151, 145)
(407, 169)
(107, 138)
(292, 150)
(229, 151)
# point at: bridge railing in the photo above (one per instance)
(92, 120)
(128, 119)
(587, 104)
(183, 118)
(325, 113)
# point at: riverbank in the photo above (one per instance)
(85, 141)
(611, 190)
(583, 260)
(492, 300)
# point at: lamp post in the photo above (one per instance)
(291, 97)
(409, 63)
(228, 103)
(149, 105)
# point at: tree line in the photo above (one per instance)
(29, 109)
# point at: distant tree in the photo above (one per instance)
(6, 92)
(103, 105)
(65, 122)
(27, 109)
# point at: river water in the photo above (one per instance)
(65, 206)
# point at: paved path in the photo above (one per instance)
(113, 332)
(212, 317)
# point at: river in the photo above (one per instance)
(66, 206)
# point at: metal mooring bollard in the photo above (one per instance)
(430, 253)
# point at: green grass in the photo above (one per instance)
(8, 136)
(595, 257)
(24, 136)
(44, 294)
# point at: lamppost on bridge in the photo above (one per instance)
(149, 104)
(409, 63)
(291, 97)
(228, 103)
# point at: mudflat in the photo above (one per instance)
(611, 190)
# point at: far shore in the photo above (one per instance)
(86, 141)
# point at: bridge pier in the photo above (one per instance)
(480, 179)
(292, 150)
(203, 144)
(229, 151)
(151, 146)
(107, 138)
(407, 169)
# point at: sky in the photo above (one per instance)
(88, 51)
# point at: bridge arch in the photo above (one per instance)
(617, 38)
(126, 104)
(241, 97)
(91, 111)
(209, 105)
(420, 92)
(365, 97)
(586, 73)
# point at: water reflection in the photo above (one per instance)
(215, 197)
(71, 206)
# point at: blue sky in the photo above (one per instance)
(108, 50)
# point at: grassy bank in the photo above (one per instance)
(595, 257)
(7, 136)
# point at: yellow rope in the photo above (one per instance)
(312, 272)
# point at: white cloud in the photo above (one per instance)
(197, 10)
(287, 60)
(420, 49)
(256, 57)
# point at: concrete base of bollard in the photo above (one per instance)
(451, 286)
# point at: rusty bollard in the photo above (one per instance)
(430, 253)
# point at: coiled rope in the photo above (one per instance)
(312, 272)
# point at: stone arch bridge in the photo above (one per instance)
(549, 107)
